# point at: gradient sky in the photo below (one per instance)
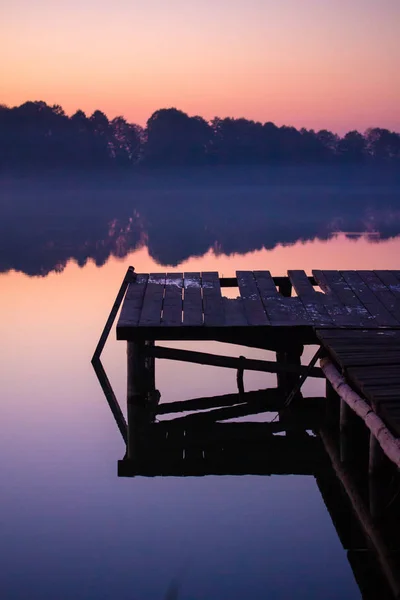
(312, 63)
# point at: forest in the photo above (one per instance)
(38, 136)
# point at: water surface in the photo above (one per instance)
(70, 528)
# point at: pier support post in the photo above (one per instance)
(136, 398)
(345, 433)
(376, 470)
(287, 381)
(332, 408)
(353, 438)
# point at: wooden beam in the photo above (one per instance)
(111, 398)
(271, 397)
(130, 276)
(230, 362)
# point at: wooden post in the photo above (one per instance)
(287, 381)
(332, 408)
(376, 480)
(136, 397)
(344, 428)
(239, 379)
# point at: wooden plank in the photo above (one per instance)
(382, 292)
(312, 300)
(172, 305)
(341, 315)
(365, 374)
(396, 273)
(132, 306)
(280, 310)
(212, 300)
(336, 335)
(266, 284)
(235, 315)
(192, 301)
(390, 280)
(252, 303)
(341, 290)
(368, 299)
(153, 300)
(361, 358)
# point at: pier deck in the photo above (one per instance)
(370, 362)
(178, 306)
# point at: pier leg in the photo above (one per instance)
(332, 408)
(239, 380)
(152, 393)
(345, 427)
(136, 398)
(353, 439)
(287, 381)
(376, 469)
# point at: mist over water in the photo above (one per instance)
(179, 214)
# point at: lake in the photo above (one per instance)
(71, 529)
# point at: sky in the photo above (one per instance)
(315, 63)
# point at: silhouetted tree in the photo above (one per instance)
(237, 141)
(352, 147)
(125, 141)
(36, 135)
(174, 138)
(383, 144)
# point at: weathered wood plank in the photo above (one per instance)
(192, 301)
(153, 300)
(312, 300)
(382, 292)
(390, 336)
(280, 310)
(212, 299)
(266, 284)
(235, 315)
(172, 305)
(390, 280)
(133, 302)
(342, 304)
(380, 314)
(252, 303)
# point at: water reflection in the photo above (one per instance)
(69, 524)
(45, 224)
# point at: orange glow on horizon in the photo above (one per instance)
(321, 65)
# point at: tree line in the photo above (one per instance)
(36, 135)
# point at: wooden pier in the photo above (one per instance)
(349, 440)
(353, 316)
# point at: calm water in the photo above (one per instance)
(70, 528)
